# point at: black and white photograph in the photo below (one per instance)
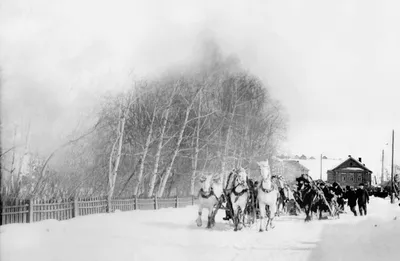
(199, 130)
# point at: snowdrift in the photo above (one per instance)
(171, 234)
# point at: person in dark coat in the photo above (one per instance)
(351, 197)
(328, 192)
(362, 199)
(337, 189)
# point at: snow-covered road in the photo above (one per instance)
(171, 234)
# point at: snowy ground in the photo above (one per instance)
(171, 234)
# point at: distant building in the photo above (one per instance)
(290, 169)
(303, 157)
(293, 169)
(350, 172)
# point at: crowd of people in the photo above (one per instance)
(333, 196)
(358, 197)
(350, 195)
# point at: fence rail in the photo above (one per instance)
(28, 211)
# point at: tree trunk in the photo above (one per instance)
(113, 168)
(13, 162)
(178, 144)
(196, 151)
(153, 177)
(242, 150)
(146, 148)
(225, 152)
(227, 138)
(24, 160)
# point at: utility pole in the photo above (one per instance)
(320, 171)
(392, 177)
(383, 168)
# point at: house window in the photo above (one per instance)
(359, 177)
(343, 177)
(351, 177)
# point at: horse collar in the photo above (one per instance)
(266, 190)
(204, 194)
(238, 194)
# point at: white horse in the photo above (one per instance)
(210, 197)
(267, 195)
(238, 195)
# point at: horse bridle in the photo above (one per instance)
(208, 194)
(242, 183)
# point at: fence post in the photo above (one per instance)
(192, 200)
(30, 211)
(155, 202)
(177, 202)
(136, 203)
(75, 208)
(109, 204)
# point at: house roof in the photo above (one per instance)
(295, 163)
(359, 164)
(314, 167)
(355, 169)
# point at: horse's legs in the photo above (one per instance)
(243, 217)
(198, 220)
(272, 213)
(268, 217)
(214, 212)
(279, 204)
(285, 210)
(262, 216)
(235, 218)
(210, 217)
(239, 215)
(307, 210)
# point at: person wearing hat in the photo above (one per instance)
(362, 199)
(351, 197)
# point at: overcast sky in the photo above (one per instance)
(335, 65)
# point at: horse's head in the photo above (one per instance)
(279, 180)
(241, 177)
(265, 169)
(206, 181)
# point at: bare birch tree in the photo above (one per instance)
(196, 148)
(178, 144)
(165, 117)
(115, 154)
(145, 150)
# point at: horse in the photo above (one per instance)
(267, 195)
(210, 197)
(315, 197)
(237, 192)
(308, 195)
(329, 199)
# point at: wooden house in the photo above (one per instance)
(350, 172)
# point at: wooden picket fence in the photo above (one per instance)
(28, 211)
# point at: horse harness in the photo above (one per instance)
(238, 194)
(273, 187)
(206, 195)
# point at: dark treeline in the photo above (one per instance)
(158, 137)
